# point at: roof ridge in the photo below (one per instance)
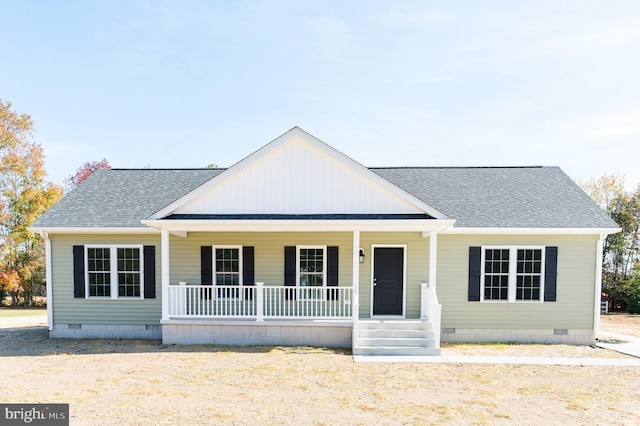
(457, 167)
(120, 169)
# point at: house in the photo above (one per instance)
(298, 244)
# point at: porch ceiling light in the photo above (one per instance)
(361, 255)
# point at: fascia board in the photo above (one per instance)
(531, 231)
(275, 144)
(93, 230)
(299, 225)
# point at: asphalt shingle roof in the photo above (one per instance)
(121, 198)
(510, 197)
(520, 197)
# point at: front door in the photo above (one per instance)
(388, 279)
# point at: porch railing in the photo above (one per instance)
(259, 302)
(430, 309)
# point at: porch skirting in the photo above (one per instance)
(490, 335)
(108, 331)
(336, 334)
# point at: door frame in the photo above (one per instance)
(404, 279)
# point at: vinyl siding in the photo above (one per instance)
(69, 310)
(269, 253)
(575, 286)
(573, 310)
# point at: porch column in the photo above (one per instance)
(164, 248)
(355, 299)
(433, 257)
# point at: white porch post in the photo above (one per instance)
(259, 302)
(164, 244)
(355, 299)
(433, 257)
(598, 287)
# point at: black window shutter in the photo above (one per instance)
(78, 271)
(550, 274)
(149, 254)
(206, 265)
(248, 275)
(475, 258)
(332, 272)
(290, 270)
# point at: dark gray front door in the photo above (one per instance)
(388, 280)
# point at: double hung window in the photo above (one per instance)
(228, 267)
(311, 276)
(114, 271)
(513, 274)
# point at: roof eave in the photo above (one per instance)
(531, 231)
(93, 229)
(420, 225)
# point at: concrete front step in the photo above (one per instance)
(395, 338)
(396, 351)
(364, 342)
(393, 325)
(402, 334)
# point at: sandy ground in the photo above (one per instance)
(139, 382)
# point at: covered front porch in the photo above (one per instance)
(268, 312)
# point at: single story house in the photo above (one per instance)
(298, 244)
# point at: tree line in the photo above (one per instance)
(621, 251)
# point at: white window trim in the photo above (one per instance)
(324, 272)
(113, 270)
(513, 269)
(215, 273)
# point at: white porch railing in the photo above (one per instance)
(260, 302)
(430, 309)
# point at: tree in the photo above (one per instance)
(83, 172)
(25, 196)
(621, 266)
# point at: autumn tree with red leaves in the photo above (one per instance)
(25, 196)
(83, 172)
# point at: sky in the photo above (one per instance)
(173, 84)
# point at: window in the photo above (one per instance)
(513, 274)
(99, 269)
(228, 264)
(114, 271)
(311, 277)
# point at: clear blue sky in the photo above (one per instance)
(389, 83)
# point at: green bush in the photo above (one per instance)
(633, 302)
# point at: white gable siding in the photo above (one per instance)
(297, 178)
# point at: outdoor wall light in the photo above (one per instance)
(361, 255)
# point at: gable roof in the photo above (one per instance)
(476, 197)
(298, 174)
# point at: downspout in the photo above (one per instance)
(598, 286)
(48, 278)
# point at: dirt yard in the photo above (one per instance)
(118, 382)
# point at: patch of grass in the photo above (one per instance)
(543, 388)
(19, 312)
